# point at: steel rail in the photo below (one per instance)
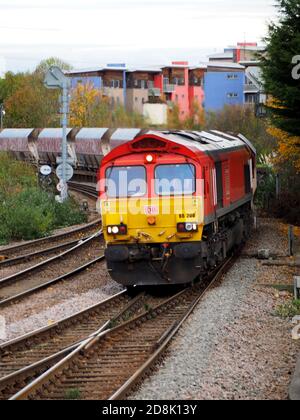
(145, 337)
(85, 189)
(165, 340)
(16, 249)
(25, 291)
(46, 284)
(41, 342)
(45, 251)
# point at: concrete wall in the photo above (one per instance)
(115, 95)
(196, 94)
(136, 99)
(157, 114)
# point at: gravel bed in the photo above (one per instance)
(20, 266)
(272, 276)
(271, 234)
(233, 346)
(59, 301)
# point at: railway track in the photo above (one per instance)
(19, 285)
(86, 189)
(32, 249)
(23, 359)
(109, 364)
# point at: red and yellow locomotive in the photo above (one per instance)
(174, 204)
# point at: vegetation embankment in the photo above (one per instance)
(26, 210)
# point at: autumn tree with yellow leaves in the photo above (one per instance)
(90, 108)
(288, 153)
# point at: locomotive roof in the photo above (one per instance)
(206, 141)
(211, 143)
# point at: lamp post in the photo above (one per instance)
(2, 113)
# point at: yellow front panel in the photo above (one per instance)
(167, 213)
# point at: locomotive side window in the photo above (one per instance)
(247, 171)
(126, 181)
(220, 192)
(175, 180)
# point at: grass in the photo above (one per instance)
(289, 309)
(26, 210)
(73, 394)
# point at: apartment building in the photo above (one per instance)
(133, 88)
(141, 86)
(110, 80)
(247, 55)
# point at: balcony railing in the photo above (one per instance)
(168, 88)
(154, 92)
(251, 89)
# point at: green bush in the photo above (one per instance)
(289, 310)
(33, 213)
(26, 210)
(15, 176)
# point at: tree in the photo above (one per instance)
(32, 105)
(242, 120)
(89, 108)
(10, 84)
(288, 154)
(283, 44)
(45, 65)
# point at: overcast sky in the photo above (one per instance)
(93, 32)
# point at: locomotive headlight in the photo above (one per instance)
(149, 158)
(115, 230)
(188, 227)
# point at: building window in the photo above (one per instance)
(232, 95)
(176, 98)
(116, 84)
(143, 84)
(183, 96)
(232, 76)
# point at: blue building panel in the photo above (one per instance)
(95, 81)
(223, 88)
